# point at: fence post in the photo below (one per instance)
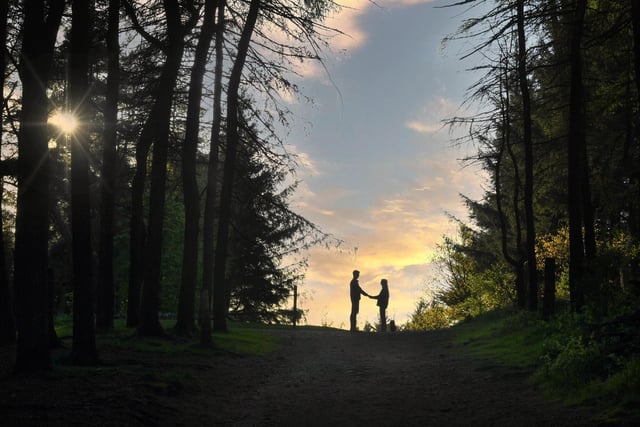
(295, 305)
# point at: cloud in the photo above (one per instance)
(345, 33)
(346, 20)
(305, 164)
(419, 127)
(431, 118)
(410, 2)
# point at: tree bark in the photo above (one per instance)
(517, 261)
(150, 302)
(587, 205)
(210, 214)
(137, 227)
(528, 160)
(156, 123)
(635, 20)
(185, 323)
(220, 294)
(575, 148)
(108, 184)
(41, 23)
(83, 349)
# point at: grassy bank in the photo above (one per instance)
(243, 339)
(566, 359)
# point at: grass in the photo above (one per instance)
(245, 341)
(504, 336)
(565, 366)
(242, 338)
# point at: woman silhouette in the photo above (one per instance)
(383, 302)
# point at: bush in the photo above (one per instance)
(626, 383)
(575, 364)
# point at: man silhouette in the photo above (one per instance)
(355, 292)
(383, 303)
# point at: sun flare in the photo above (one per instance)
(64, 121)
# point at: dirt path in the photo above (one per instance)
(318, 378)
(333, 378)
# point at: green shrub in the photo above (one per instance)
(626, 383)
(576, 364)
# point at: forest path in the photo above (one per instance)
(336, 378)
(320, 377)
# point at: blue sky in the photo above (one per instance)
(377, 169)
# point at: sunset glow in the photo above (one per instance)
(379, 171)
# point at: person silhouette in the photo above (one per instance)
(383, 303)
(355, 291)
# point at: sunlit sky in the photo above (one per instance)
(378, 170)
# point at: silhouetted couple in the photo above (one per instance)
(382, 297)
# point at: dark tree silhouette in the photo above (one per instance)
(108, 182)
(635, 20)
(83, 350)
(40, 27)
(210, 214)
(576, 149)
(220, 293)
(528, 159)
(152, 279)
(505, 147)
(137, 235)
(185, 323)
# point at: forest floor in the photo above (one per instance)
(315, 377)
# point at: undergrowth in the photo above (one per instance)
(572, 358)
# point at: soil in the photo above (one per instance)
(315, 378)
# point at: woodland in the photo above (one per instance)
(170, 194)
(556, 233)
(141, 167)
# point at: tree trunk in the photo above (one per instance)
(185, 323)
(137, 229)
(220, 293)
(150, 302)
(635, 19)
(41, 23)
(585, 197)
(576, 142)
(7, 321)
(83, 349)
(517, 262)
(54, 340)
(208, 238)
(108, 184)
(528, 160)
(521, 291)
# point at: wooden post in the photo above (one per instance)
(295, 305)
(549, 300)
